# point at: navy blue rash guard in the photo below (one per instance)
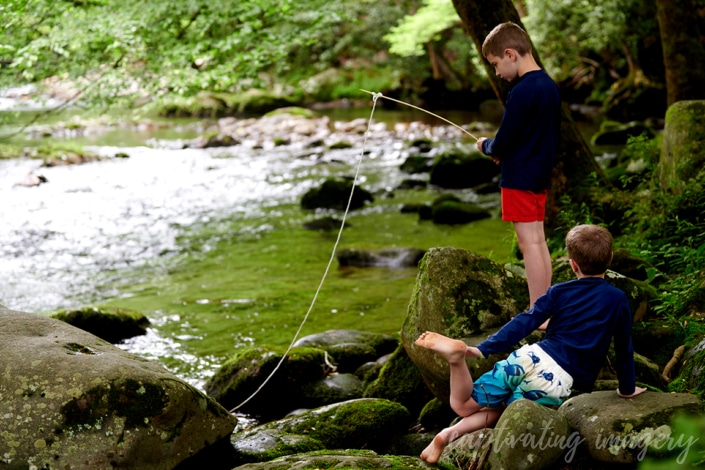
(585, 314)
(527, 138)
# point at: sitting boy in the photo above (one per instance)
(585, 313)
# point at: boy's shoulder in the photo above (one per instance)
(588, 284)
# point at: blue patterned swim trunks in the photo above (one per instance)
(527, 373)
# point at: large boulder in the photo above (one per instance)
(621, 431)
(462, 295)
(683, 149)
(527, 436)
(72, 400)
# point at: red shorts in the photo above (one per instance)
(523, 206)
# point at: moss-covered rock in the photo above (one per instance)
(451, 212)
(339, 341)
(355, 424)
(401, 381)
(241, 375)
(416, 164)
(72, 400)
(683, 149)
(334, 193)
(618, 430)
(462, 168)
(360, 459)
(614, 133)
(112, 324)
(527, 436)
(692, 375)
(462, 295)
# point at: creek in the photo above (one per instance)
(209, 243)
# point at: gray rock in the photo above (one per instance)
(618, 430)
(72, 400)
(339, 459)
(356, 424)
(331, 339)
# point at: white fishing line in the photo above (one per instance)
(375, 96)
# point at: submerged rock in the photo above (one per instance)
(385, 257)
(72, 400)
(109, 323)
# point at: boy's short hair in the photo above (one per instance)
(506, 36)
(590, 246)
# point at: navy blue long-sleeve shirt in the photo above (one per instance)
(527, 138)
(585, 315)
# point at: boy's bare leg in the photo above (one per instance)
(485, 417)
(537, 259)
(461, 384)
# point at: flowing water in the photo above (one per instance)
(209, 243)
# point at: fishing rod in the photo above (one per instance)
(380, 95)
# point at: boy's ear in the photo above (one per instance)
(574, 266)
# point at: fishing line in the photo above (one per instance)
(375, 96)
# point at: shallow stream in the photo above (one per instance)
(209, 243)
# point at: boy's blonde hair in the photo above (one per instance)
(506, 36)
(590, 246)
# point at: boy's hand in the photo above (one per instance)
(479, 143)
(472, 351)
(637, 391)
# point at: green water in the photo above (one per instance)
(258, 288)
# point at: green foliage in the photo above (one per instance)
(410, 35)
(584, 40)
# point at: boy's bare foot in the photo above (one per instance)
(453, 350)
(433, 452)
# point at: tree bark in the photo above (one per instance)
(683, 50)
(576, 170)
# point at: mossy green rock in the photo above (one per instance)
(462, 295)
(462, 168)
(528, 436)
(361, 459)
(109, 323)
(356, 424)
(401, 381)
(616, 430)
(334, 193)
(683, 149)
(243, 374)
(72, 400)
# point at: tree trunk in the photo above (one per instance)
(683, 51)
(576, 170)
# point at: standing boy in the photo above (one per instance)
(585, 313)
(524, 146)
